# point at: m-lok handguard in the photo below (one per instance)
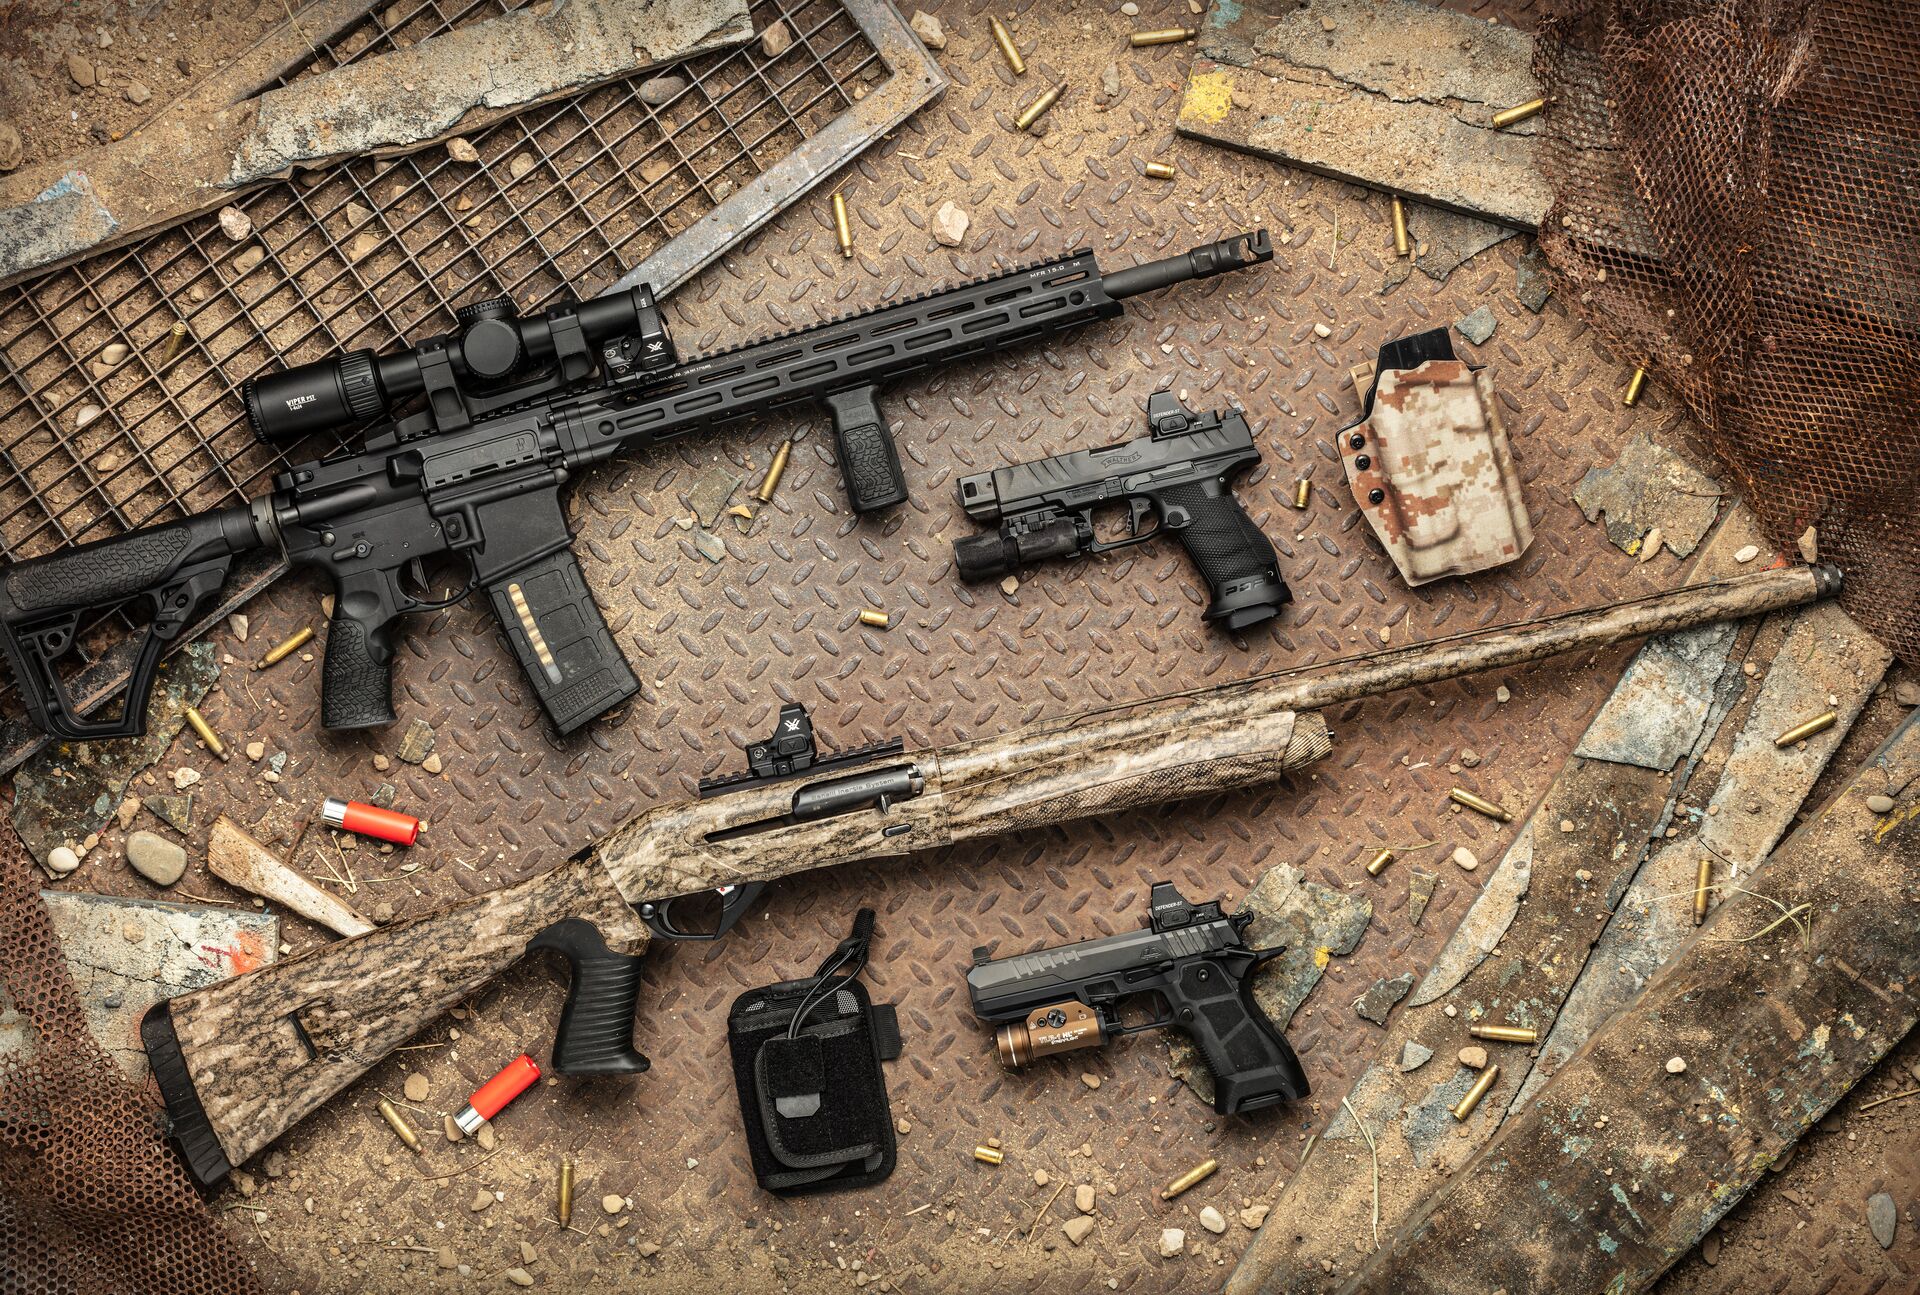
(1192, 958)
(1180, 474)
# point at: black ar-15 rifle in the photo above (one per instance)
(513, 408)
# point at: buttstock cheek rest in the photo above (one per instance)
(596, 1026)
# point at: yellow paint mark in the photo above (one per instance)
(1322, 956)
(1900, 819)
(1209, 96)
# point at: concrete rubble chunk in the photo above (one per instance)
(1414, 1055)
(1172, 1242)
(928, 29)
(1882, 1218)
(1078, 1228)
(1380, 998)
(1420, 887)
(1478, 326)
(950, 225)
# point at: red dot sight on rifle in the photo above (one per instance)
(493, 351)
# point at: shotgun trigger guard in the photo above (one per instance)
(734, 903)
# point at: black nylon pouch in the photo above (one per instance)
(815, 1104)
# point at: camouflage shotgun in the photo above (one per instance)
(241, 1061)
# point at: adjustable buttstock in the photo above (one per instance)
(242, 1061)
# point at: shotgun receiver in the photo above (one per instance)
(512, 410)
(241, 1061)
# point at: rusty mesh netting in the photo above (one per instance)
(92, 1199)
(1735, 207)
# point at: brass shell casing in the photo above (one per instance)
(1159, 170)
(1481, 1087)
(175, 336)
(565, 1212)
(281, 651)
(1008, 50)
(1801, 732)
(399, 1125)
(1378, 863)
(1518, 113)
(880, 620)
(199, 724)
(1505, 1033)
(1038, 108)
(1164, 36)
(1635, 385)
(1057, 1027)
(775, 471)
(1461, 796)
(1302, 493)
(1701, 880)
(987, 1155)
(1199, 1173)
(1401, 243)
(842, 231)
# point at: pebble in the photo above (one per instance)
(528, 1254)
(417, 1088)
(1809, 545)
(1478, 326)
(647, 1249)
(903, 1128)
(1465, 858)
(1089, 1079)
(62, 859)
(1321, 330)
(157, 859)
(1172, 1242)
(462, 150)
(928, 29)
(1253, 1216)
(1907, 693)
(381, 763)
(452, 1130)
(481, 1199)
(950, 225)
(128, 808)
(1676, 1065)
(86, 415)
(446, 1258)
(1009, 586)
(247, 260)
(1503, 694)
(235, 223)
(1881, 1218)
(1470, 758)
(658, 90)
(13, 149)
(519, 1276)
(115, 353)
(1566, 825)
(1747, 554)
(80, 68)
(432, 764)
(1473, 1058)
(1083, 1198)
(1041, 1178)
(1710, 1248)
(1077, 1228)
(612, 1204)
(137, 92)
(775, 39)
(1212, 1220)
(1880, 804)
(255, 750)
(1650, 544)
(1130, 9)
(185, 778)
(521, 164)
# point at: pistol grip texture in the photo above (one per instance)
(1235, 559)
(868, 459)
(1253, 1065)
(596, 1026)
(356, 683)
(562, 641)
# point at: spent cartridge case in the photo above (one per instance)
(1038, 108)
(1401, 244)
(879, 620)
(1701, 880)
(1481, 1087)
(1461, 796)
(1004, 39)
(842, 231)
(175, 336)
(1302, 493)
(775, 470)
(988, 1155)
(1505, 1033)
(1801, 732)
(565, 1212)
(1198, 1174)
(1635, 385)
(1159, 170)
(1378, 863)
(1518, 113)
(281, 651)
(398, 1123)
(199, 724)
(1164, 36)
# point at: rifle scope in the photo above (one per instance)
(491, 349)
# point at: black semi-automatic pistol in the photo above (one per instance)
(1193, 958)
(1180, 474)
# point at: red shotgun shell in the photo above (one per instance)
(491, 1097)
(370, 820)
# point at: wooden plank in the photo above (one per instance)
(1621, 1164)
(1397, 96)
(201, 153)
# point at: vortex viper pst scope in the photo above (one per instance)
(491, 350)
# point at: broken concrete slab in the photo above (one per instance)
(1315, 923)
(1443, 241)
(71, 789)
(1657, 711)
(195, 155)
(1398, 96)
(1773, 1033)
(125, 955)
(1532, 281)
(1649, 485)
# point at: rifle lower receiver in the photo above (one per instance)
(1192, 958)
(1180, 474)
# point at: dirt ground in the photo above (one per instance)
(338, 1208)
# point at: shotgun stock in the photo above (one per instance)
(241, 1061)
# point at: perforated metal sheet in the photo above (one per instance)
(720, 646)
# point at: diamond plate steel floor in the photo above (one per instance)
(720, 646)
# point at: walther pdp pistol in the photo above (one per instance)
(511, 410)
(1191, 958)
(1180, 474)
